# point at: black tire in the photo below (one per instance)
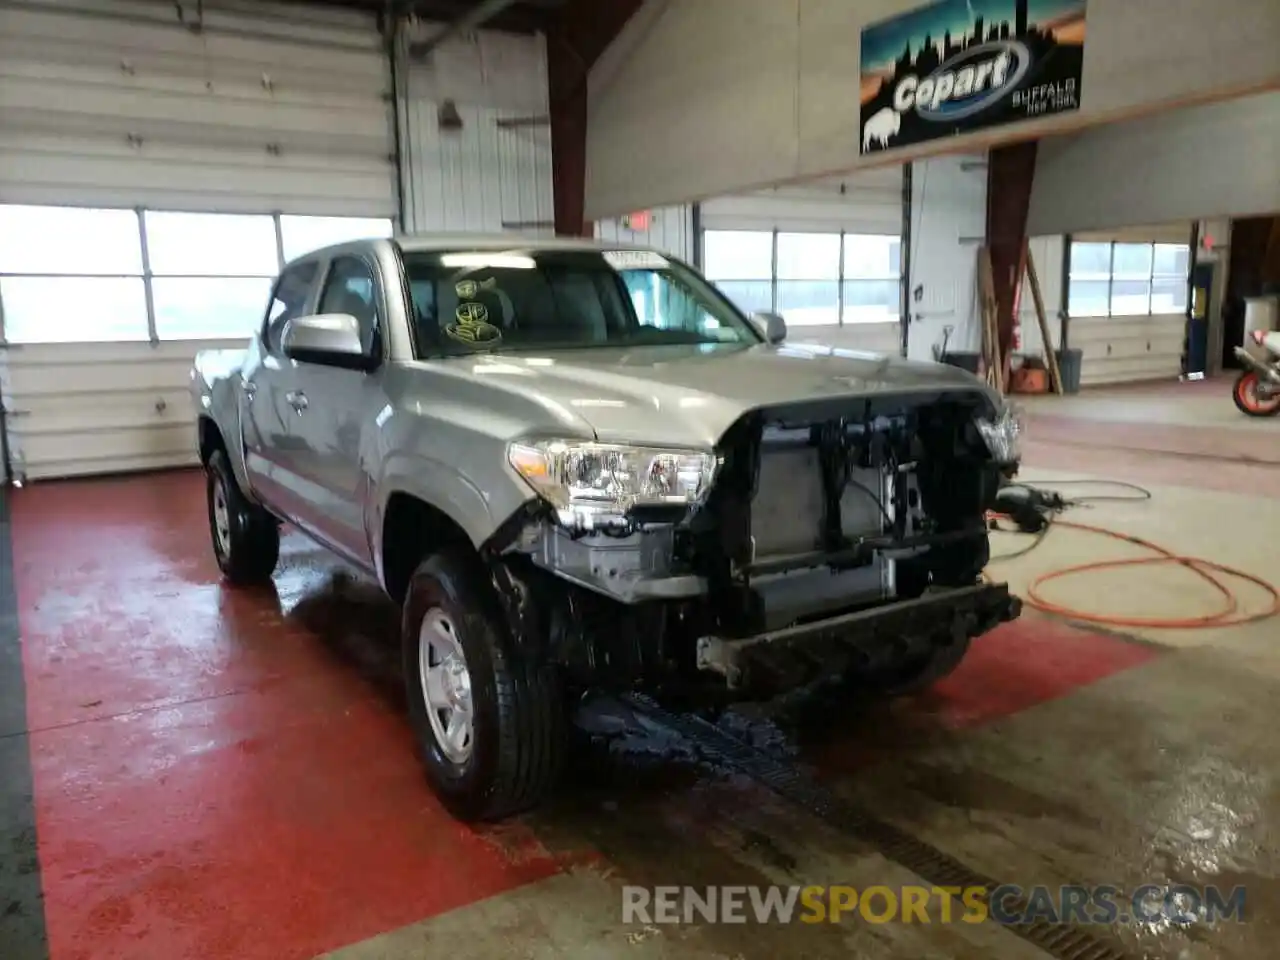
(1244, 393)
(249, 547)
(519, 728)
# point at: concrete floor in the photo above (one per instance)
(218, 774)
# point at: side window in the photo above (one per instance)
(350, 288)
(660, 303)
(288, 300)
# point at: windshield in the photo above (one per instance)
(469, 301)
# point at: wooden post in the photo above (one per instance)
(1046, 338)
(990, 331)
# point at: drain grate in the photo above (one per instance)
(1058, 940)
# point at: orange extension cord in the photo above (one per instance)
(1227, 615)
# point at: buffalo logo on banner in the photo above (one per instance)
(957, 66)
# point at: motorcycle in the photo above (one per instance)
(1257, 389)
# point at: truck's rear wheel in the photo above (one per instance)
(246, 539)
(491, 729)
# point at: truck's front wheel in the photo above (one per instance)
(491, 728)
(246, 539)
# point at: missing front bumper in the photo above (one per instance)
(785, 659)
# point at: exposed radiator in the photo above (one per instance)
(786, 514)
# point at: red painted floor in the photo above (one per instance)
(209, 781)
(224, 774)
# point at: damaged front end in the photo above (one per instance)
(816, 539)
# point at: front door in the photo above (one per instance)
(270, 381)
(338, 423)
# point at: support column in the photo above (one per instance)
(578, 34)
(1010, 172)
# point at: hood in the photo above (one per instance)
(689, 396)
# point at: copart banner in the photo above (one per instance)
(957, 66)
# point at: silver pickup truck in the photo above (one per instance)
(580, 469)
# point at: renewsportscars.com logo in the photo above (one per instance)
(968, 83)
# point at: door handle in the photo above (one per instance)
(297, 399)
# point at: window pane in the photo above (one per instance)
(750, 296)
(211, 245)
(1090, 258)
(870, 301)
(1132, 260)
(1087, 298)
(737, 254)
(301, 235)
(660, 303)
(1172, 259)
(70, 309)
(808, 256)
(809, 302)
(199, 308)
(872, 257)
(1169, 296)
(1130, 298)
(289, 299)
(69, 240)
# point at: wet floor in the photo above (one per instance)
(223, 773)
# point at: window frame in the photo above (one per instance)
(841, 279)
(150, 333)
(1152, 276)
(271, 344)
(377, 348)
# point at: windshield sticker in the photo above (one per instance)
(473, 326)
(467, 289)
(636, 260)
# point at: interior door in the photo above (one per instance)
(948, 224)
(270, 382)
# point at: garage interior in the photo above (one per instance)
(192, 769)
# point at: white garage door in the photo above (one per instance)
(826, 255)
(157, 163)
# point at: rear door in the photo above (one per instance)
(270, 418)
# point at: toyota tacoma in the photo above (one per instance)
(578, 468)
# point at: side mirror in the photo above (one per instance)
(771, 325)
(332, 339)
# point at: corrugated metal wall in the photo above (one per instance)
(494, 173)
(251, 107)
(266, 108)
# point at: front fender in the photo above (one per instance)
(477, 512)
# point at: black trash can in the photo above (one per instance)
(1069, 367)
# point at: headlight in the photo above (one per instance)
(1003, 434)
(589, 483)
